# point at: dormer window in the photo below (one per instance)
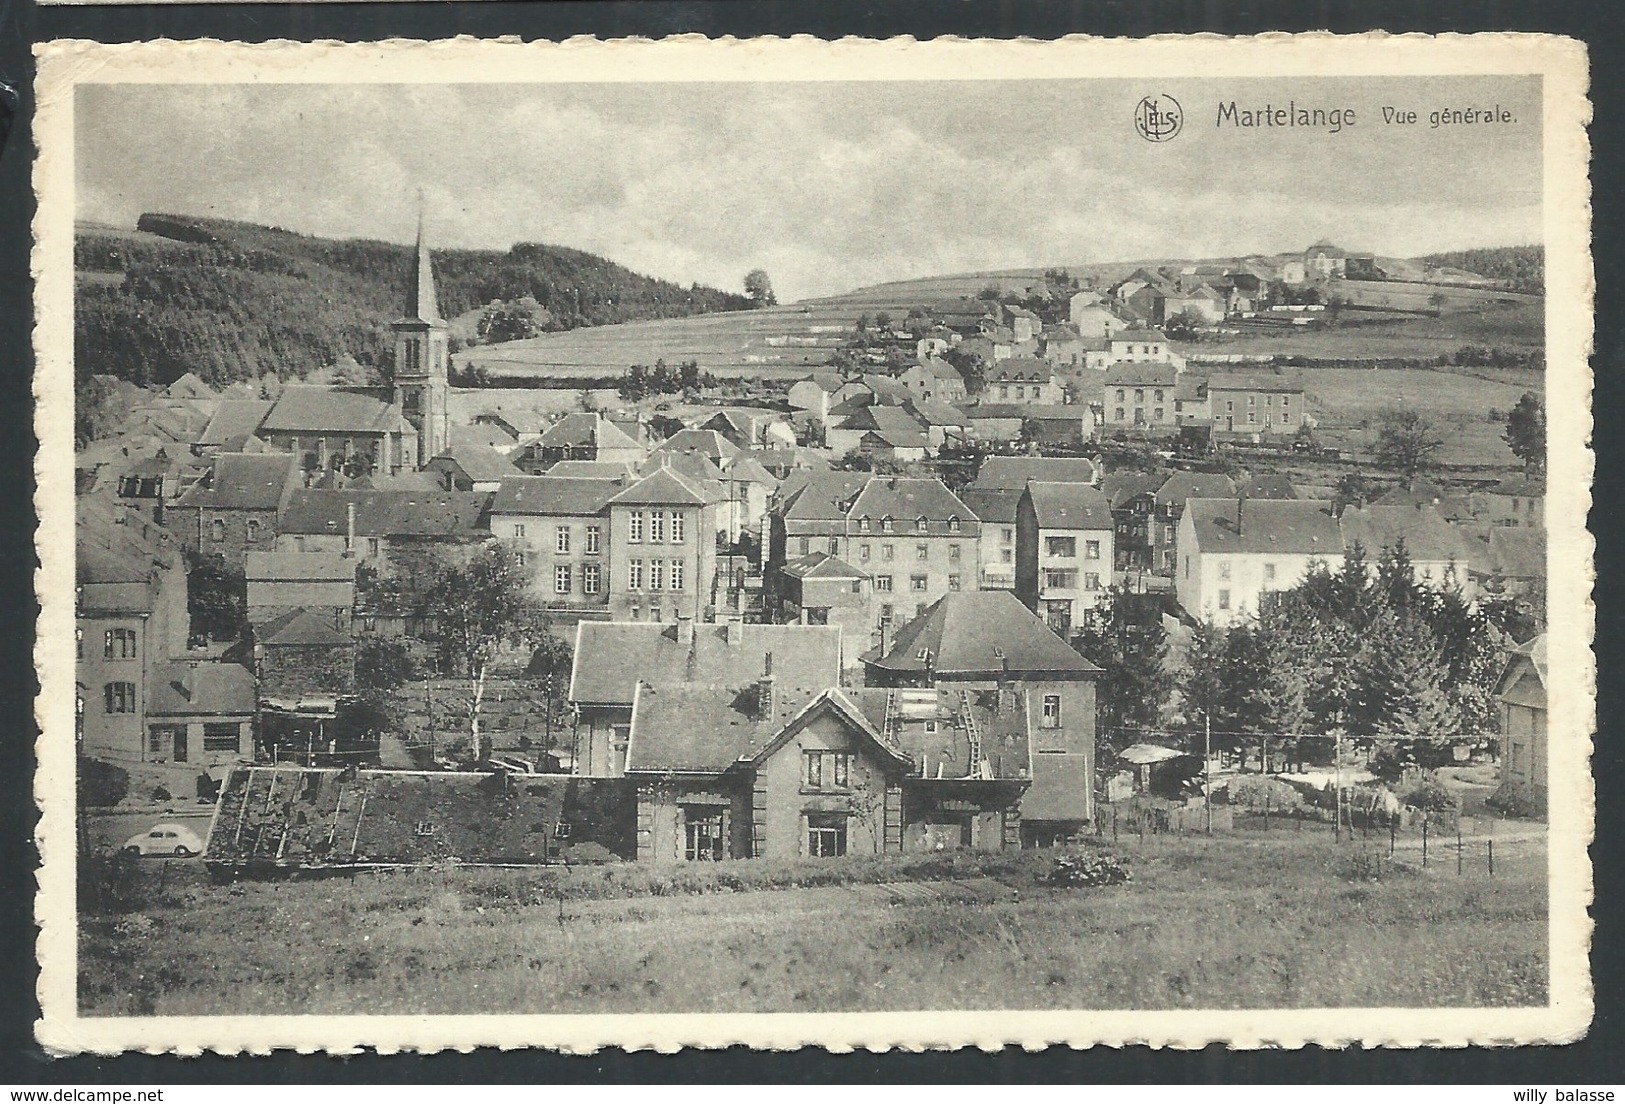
(953, 525)
(885, 525)
(919, 524)
(863, 524)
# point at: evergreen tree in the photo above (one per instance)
(1126, 640)
(1402, 691)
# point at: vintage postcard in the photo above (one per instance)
(857, 544)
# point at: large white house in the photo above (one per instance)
(1231, 551)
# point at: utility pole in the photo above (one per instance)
(1207, 767)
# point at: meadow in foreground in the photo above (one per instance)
(1288, 920)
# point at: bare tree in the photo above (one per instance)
(1406, 442)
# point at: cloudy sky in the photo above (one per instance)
(828, 186)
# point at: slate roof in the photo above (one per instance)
(981, 634)
(889, 420)
(706, 729)
(1012, 473)
(938, 368)
(298, 566)
(1255, 381)
(1270, 485)
(1526, 658)
(745, 468)
(244, 481)
(307, 409)
(1511, 553)
(821, 495)
(905, 499)
(707, 442)
(662, 487)
(612, 656)
(480, 435)
(821, 565)
(1427, 536)
(1121, 486)
(591, 469)
(829, 382)
(201, 690)
(1423, 493)
(388, 513)
(893, 391)
(1304, 527)
(581, 427)
(992, 507)
(1124, 337)
(480, 463)
(935, 412)
(695, 467)
(1069, 506)
(1024, 369)
(553, 496)
(189, 386)
(1144, 373)
(233, 420)
(1182, 486)
(299, 628)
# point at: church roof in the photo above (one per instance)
(309, 409)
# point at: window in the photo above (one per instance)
(922, 551)
(1224, 599)
(919, 525)
(1252, 416)
(1120, 398)
(1061, 580)
(863, 552)
(1052, 711)
(1224, 570)
(835, 546)
(806, 545)
(1004, 391)
(1007, 555)
(702, 836)
(657, 574)
(857, 586)
(953, 553)
(826, 835)
(1063, 547)
(1157, 394)
(1269, 573)
(591, 542)
(634, 574)
(1008, 534)
(589, 578)
(917, 582)
(677, 575)
(888, 551)
(155, 738)
(1269, 400)
(634, 527)
(886, 612)
(372, 547)
(1091, 549)
(863, 524)
(217, 529)
(120, 697)
(1120, 414)
(1252, 400)
(518, 530)
(1229, 405)
(222, 737)
(812, 770)
(561, 579)
(1158, 414)
(1091, 580)
(953, 582)
(953, 525)
(657, 527)
(883, 583)
(885, 525)
(118, 644)
(1139, 394)
(677, 520)
(843, 768)
(1284, 418)
(253, 529)
(520, 558)
(561, 540)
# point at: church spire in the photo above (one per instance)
(423, 304)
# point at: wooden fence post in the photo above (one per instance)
(1424, 843)
(1458, 845)
(1492, 858)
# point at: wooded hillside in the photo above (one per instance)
(1523, 267)
(231, 300)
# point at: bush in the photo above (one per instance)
(1430, 795)
(1074, 871)
(1515, 799)
(1256, 791)
(1369, 866)
(102, 783)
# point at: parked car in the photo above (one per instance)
(165, 839)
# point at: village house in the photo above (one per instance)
(235, 509)
(1200, 302)
(1024, 324)
(1503, 560)
(1162, 534)
(1146, 346)
(1066, 425)
(300, 656)
(517, 423)
(874, 428)
(1232, 551)
(1139, 396)
(662, 534)
(1454, 508)
(818, 589)
(1324, 261)
(1522, 695)
(815, 395)
(401, 535)
(1023, 380)
(152, 484)
(281, 582)
(993, 421)
(1005, 662)
(579, 435)
(996, 546)
(612, 659)
(751, 428)
(1132, 497)
(1191, 405)
(470, 467)
(709, 443)
(916, 539)
(235, 422)
(934, 378)
(201, 713)
(1064, 554)
(1513, 504)
(558, 528)
(1255, 402)
(130, 618)
(942, 422)
(1064, 347)
(1439, 552)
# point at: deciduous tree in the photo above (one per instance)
(1406, 443)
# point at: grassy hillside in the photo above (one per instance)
(231, 300)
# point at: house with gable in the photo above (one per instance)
(1132, 497)
(201, 713)
(1440, 554)
(234, 510)
(471, 467)
(1023, 380)
(878, 429)
(1162, 532)
(1139, 396)
(579, 435)
(1002, 660)
(402, 535)
(934, 378)
(662, 536)
(819, 589)
(1523, 698)
(1232, 551)
(613, 658)
(1064, 554)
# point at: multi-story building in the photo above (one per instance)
(1133, 500)
(401, 535)
(996, 547)
(1064, 554)
(1023, 380)
(1255, 402)
(235, 510)
(1522, 694)
(1232, 551)
(558, 527)
(914, 537)
(579, 435)
(663, 548)
(1162, 527)
(1140, 395)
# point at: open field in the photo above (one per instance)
(1348, 401)
(1279, 919)
(1520, 326)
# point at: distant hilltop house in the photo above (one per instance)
(1256, 402)
(1325, 261)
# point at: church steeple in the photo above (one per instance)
(421, 354)
(423, 304)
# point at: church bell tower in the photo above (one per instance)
(421, 356)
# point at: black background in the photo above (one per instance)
(1598, 1059)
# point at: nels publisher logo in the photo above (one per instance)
(1158, 118)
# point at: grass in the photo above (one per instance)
(1285, 920)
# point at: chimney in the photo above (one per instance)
(349, 529)
(764, 690)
